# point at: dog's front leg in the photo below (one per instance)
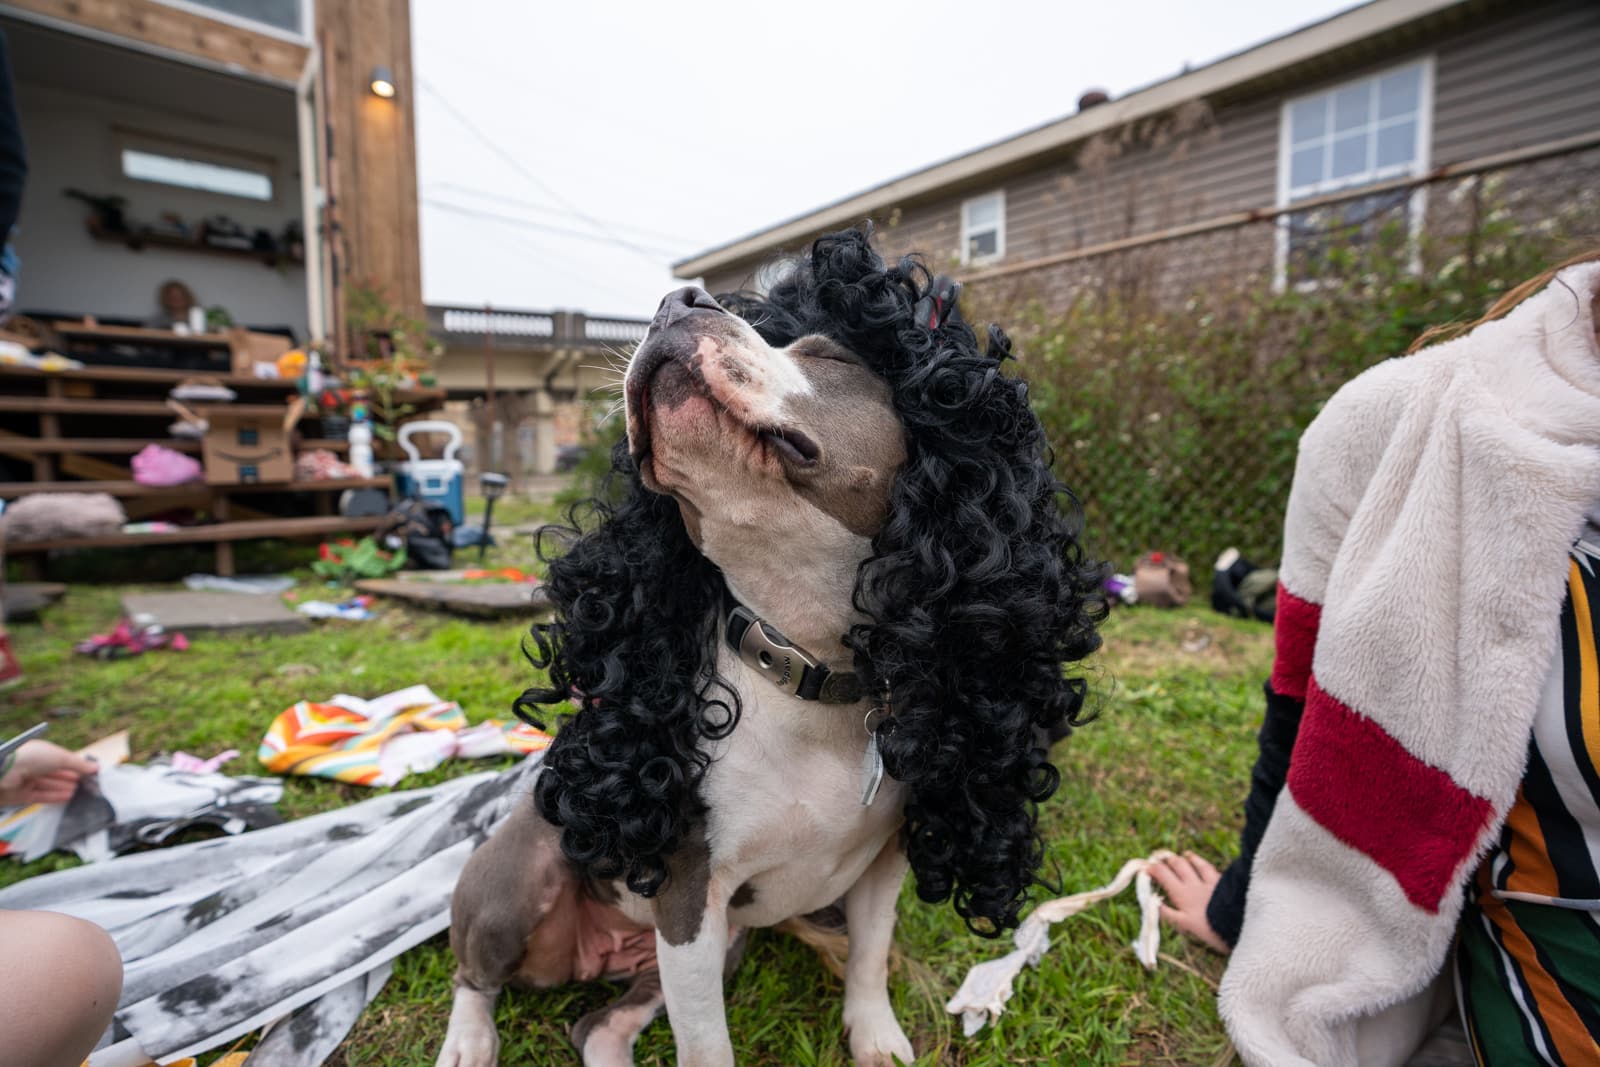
(691, 948)
(876, 1039)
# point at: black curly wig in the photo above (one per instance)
(977, 591)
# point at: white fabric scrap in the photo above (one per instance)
(982, 997)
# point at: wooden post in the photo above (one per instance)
(224, 549)
(490, 461)
(371, 147)
(49, 430)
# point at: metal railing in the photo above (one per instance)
(531, 329)
(626, 330)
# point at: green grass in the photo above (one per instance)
(1165, 765)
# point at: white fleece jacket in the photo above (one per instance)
(1424, 568)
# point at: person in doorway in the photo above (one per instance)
(60, 977)
(177, 303)
(1424, 811)
(13, 174)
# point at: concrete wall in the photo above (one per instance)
(72, 143)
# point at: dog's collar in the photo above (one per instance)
(784, 663)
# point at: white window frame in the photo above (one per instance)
(967, 259)
(307, 20)
(125, 139)
(1421, 161)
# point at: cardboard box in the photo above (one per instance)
(252, 348)
(248, 443)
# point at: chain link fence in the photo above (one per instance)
(1175, 372)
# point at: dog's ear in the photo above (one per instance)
(979, 593)
(633, 630)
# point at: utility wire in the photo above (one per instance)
(531, 224)
(515, 164)
(673, 240)
(543, 255)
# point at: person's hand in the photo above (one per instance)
(44, 774)
(1188, 882)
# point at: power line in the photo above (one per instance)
(530, 224)
(675, 240)
(543, 254)
(515, 164)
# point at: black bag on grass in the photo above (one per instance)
(424, 531)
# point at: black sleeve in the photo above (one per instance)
(1274, 743)
(13, 161)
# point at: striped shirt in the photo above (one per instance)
(1528, 956)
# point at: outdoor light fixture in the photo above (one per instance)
(494, 487)
(382, 82)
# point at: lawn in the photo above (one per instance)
(1165, 765)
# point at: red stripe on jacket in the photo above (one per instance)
(1367, 790)
(1294, 629)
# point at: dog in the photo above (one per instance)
(816, 638)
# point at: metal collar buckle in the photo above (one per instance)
(765, 650)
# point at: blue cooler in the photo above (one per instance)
(438, 482)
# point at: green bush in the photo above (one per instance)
(1175, 419)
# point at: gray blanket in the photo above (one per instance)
(222, 937)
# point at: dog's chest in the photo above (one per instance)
(786, 827)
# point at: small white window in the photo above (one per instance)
(176, 168)
(1371, 130)
(983, 229)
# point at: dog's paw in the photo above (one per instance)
(471, 1041)
(876, 1039)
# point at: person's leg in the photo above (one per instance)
(60, 978)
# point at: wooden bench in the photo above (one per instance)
(220, 534)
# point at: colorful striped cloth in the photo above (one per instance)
(378, 742)
(1528, 961)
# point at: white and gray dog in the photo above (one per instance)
(816, 636)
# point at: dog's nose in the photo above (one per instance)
(680, 303)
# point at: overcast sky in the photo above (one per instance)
(568, 152)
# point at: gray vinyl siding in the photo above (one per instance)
(1530, 77)
(1522, 76)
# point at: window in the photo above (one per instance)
(286, 17)
(1372, 130)
(983, 229)
(175, 164)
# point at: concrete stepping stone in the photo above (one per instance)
(189, 612)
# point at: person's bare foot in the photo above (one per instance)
(1187, 882)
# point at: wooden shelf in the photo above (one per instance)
(108, 446)
(67, 464)
(130, 488)
(47, 405)
(138, 242)
(145, 376)
(209, 534)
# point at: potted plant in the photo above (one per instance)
(333, 411)
(392, 353)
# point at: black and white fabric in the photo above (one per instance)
(223, 937)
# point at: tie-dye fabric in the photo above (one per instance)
(378, 742)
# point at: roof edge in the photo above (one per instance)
(1368, 20)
